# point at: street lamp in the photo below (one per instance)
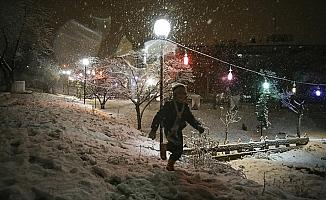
(85, 62)
(294, 89)
(150, 82)
(266, 86)
(318, 92)
(230, 75)
(162, 29)
(185, 59)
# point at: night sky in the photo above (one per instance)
(204, 22)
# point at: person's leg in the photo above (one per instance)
(176, 149)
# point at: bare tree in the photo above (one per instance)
(127, 76)
(25, 36)
(229, 118)
(103, 87)
(139, 85)
(294, 106)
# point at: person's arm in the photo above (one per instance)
(189, 117)
(158, 118)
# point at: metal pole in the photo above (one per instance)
(162, 147)
(161, 77)
(85, 85)
(161, 90)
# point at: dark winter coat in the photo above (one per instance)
(168, 116)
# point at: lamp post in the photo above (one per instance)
(162, 29)
(85, 62)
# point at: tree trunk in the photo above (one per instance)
(299, 125)
(138, 116)
(102, 103)
(226, 135)
(9, 80)
(8, 86)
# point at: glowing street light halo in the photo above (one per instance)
(85, 61)
(294, 89)
(150, 82)
(318, 92)
(162, 28)
(266, 86)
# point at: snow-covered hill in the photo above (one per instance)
(52, 147)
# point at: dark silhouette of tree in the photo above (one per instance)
(295, 106)
(262, 112)
(25, 37)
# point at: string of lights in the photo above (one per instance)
(243, 68)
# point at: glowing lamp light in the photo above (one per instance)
(230, 75)
(266, 85)
(85, 61)
(185, 59)
(66, 72)
(150, 82)
(294, 89)
(162, 28)
(318, 92)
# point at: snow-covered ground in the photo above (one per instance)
(54, 147)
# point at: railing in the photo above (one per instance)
(234, 151)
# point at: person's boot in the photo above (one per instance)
(170, 165)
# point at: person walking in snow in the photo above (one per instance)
(174, 115)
